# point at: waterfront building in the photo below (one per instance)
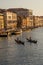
(29, 22)
(36, 21)
(14, 20)
(1, 21)
(10, 20)
(25, 17)
(24, 23)
(31, 17)
(20, 11)
(41, 20)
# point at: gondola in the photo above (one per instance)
(19, 42)
(31, 41)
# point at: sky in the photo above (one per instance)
(35, 5)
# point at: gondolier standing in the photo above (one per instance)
(29, 38)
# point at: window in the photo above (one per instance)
(14, 21)
(9, 21)
(9, 17)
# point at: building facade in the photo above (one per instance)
(31, 17)
(10, 20)
(36, 21)
(1, 21)
(41, 20)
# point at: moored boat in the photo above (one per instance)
(3, 35)
(18, 31)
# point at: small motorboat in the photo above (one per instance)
(31, 41)
(19, 42)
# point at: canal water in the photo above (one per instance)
(12, 53)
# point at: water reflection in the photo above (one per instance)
(12, 53)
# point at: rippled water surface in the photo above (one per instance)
(12, 53)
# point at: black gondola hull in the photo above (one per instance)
(19, 42)
(32, 41)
